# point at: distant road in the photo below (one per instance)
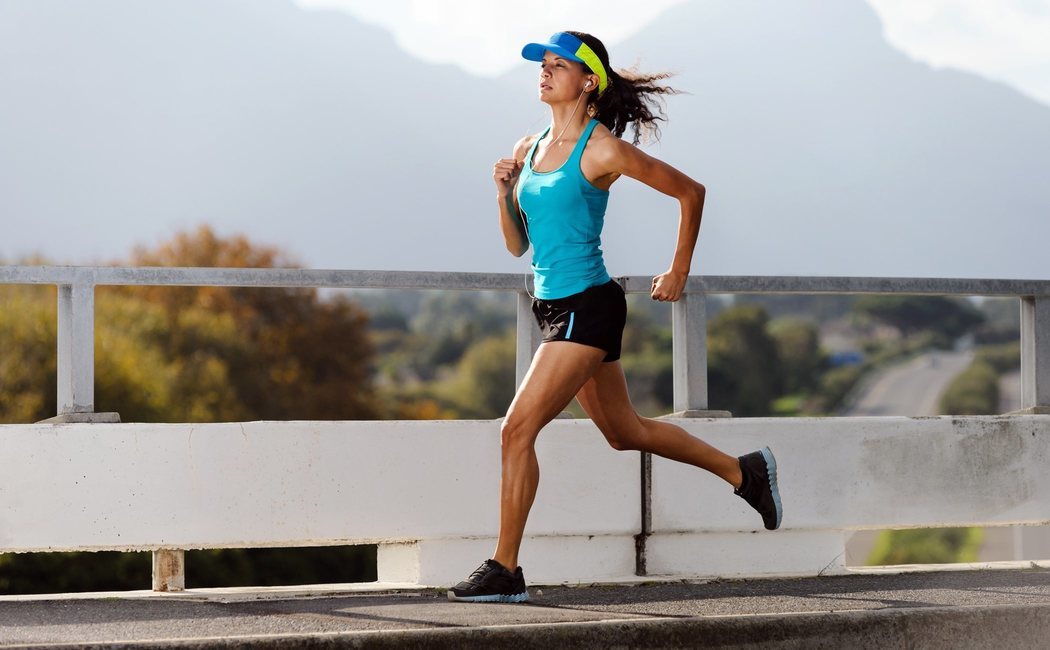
(910, 388)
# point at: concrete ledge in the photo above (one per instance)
(439, 563)
(228, 594)
(83, 418)
(1032, 410)
(697, 413)
(897, 569)
(739, 554)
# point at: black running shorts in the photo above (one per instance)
(593, 317)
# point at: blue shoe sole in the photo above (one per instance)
(771, 471)
(491, 598)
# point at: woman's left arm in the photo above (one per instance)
(629, 160)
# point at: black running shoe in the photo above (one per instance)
(491, 583)
(759, 487)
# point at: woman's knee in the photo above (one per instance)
(516, 433)
(624, 438)
(621, 444)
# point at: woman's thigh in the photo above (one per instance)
(558, 370)
(605, 399)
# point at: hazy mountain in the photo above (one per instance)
(123, 121)
(824, 150)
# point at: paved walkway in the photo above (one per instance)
(973, 608)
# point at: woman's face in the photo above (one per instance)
(560, 79)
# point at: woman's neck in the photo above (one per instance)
(568, 120)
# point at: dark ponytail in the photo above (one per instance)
(631, 97)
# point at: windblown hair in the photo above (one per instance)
(632, 97)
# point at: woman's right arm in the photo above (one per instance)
(505, 173)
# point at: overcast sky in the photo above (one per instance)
(1004, 40)
(131, 120)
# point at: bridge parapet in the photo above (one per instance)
(427, 491)
(403, 485)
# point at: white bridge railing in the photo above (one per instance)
(426, 491)
(76, 295)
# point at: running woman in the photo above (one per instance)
(553, 194)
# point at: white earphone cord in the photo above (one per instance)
(567, 123)
(524, 221)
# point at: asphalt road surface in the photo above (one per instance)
(208, 618)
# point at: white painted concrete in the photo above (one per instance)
(575, 559)
(149, 486)
(736, 555)
(857, 473)
(431, 488)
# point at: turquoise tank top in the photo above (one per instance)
(563, 214)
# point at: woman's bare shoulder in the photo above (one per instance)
(606, 147)
(521, 149)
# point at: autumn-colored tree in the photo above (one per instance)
(28, 383)
(197, 353)
(284, 353)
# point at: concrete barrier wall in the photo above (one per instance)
(856, 473)
(839, 474)
(428, 491)
(143, 486)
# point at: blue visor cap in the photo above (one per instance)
(569, 47)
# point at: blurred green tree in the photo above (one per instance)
(927, 546)
(951, 317)
(744, 368)
(798, 347)
(284, 353)
(483, 384)
(974, 391)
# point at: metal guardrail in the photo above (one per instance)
(76, 295)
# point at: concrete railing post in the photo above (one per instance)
(1035, 354)
(528, 337)
(689, 352)
(76, 352)
(76, 348)
(689, 336)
